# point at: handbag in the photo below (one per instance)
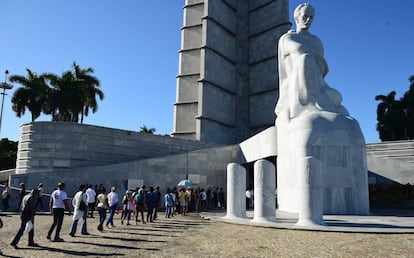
(82, 205)
(29, 226)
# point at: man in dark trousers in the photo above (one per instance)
(28, 212)
(157, 202)
(150, 200)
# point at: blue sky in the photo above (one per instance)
(133, 47)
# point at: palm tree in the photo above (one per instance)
(64, 99)
(391, 118)
(145, 129)
(32, 95)
(89, 86)
(408, 101)
(73, 94)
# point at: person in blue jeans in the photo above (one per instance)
(168, 203)
(113, 204)
(80, 206)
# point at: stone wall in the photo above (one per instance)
(391, 161)
(54, 146)
(205, 168)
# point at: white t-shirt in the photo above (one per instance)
(203, 196)
(112, 198)
(102, 201)
(59, 197)
(90, 193)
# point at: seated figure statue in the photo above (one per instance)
(321, 163)
(302, 69)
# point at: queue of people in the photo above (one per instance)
(133, 204)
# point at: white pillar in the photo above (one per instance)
(264, 191)
(310, 193)
(236, 187)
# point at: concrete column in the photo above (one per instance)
(264, 191)
(310, 194)
(236, 187)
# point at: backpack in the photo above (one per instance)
(82, 205)
(139, 199)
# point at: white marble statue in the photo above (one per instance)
(302, 68)
(321, 166)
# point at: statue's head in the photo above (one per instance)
(303, 16)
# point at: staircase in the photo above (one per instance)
(402, 151)
(391, 161)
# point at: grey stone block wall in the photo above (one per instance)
(391, 161)
(52, 146)
(229, 54)
(166, 171)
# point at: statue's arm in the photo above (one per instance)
(282, 55)
(282, 103)
(322, 53)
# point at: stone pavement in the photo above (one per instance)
(193, 236)
(379, 221)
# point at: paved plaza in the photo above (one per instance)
(194, 236)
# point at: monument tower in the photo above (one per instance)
(227, 85)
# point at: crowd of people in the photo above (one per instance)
(131, 206)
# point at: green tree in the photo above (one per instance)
(145, 129)
(73, 94)
(32, 95)
(89, 86)
(8, 154)
(64, 100)
(408, 101)
(391, 124)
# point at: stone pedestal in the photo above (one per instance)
(236, 187)
(264, 191)
(321, 166)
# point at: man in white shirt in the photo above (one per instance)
(91, 199)
(58, 204)
(113, 204)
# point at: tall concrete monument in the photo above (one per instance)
(226, 84)
(321, 163)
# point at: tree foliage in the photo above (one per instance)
(145, 129)
(8, 154)
(68, 97)
(32, 95)
(395, 118)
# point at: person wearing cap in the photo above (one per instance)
(27, 214)
(58, 203)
